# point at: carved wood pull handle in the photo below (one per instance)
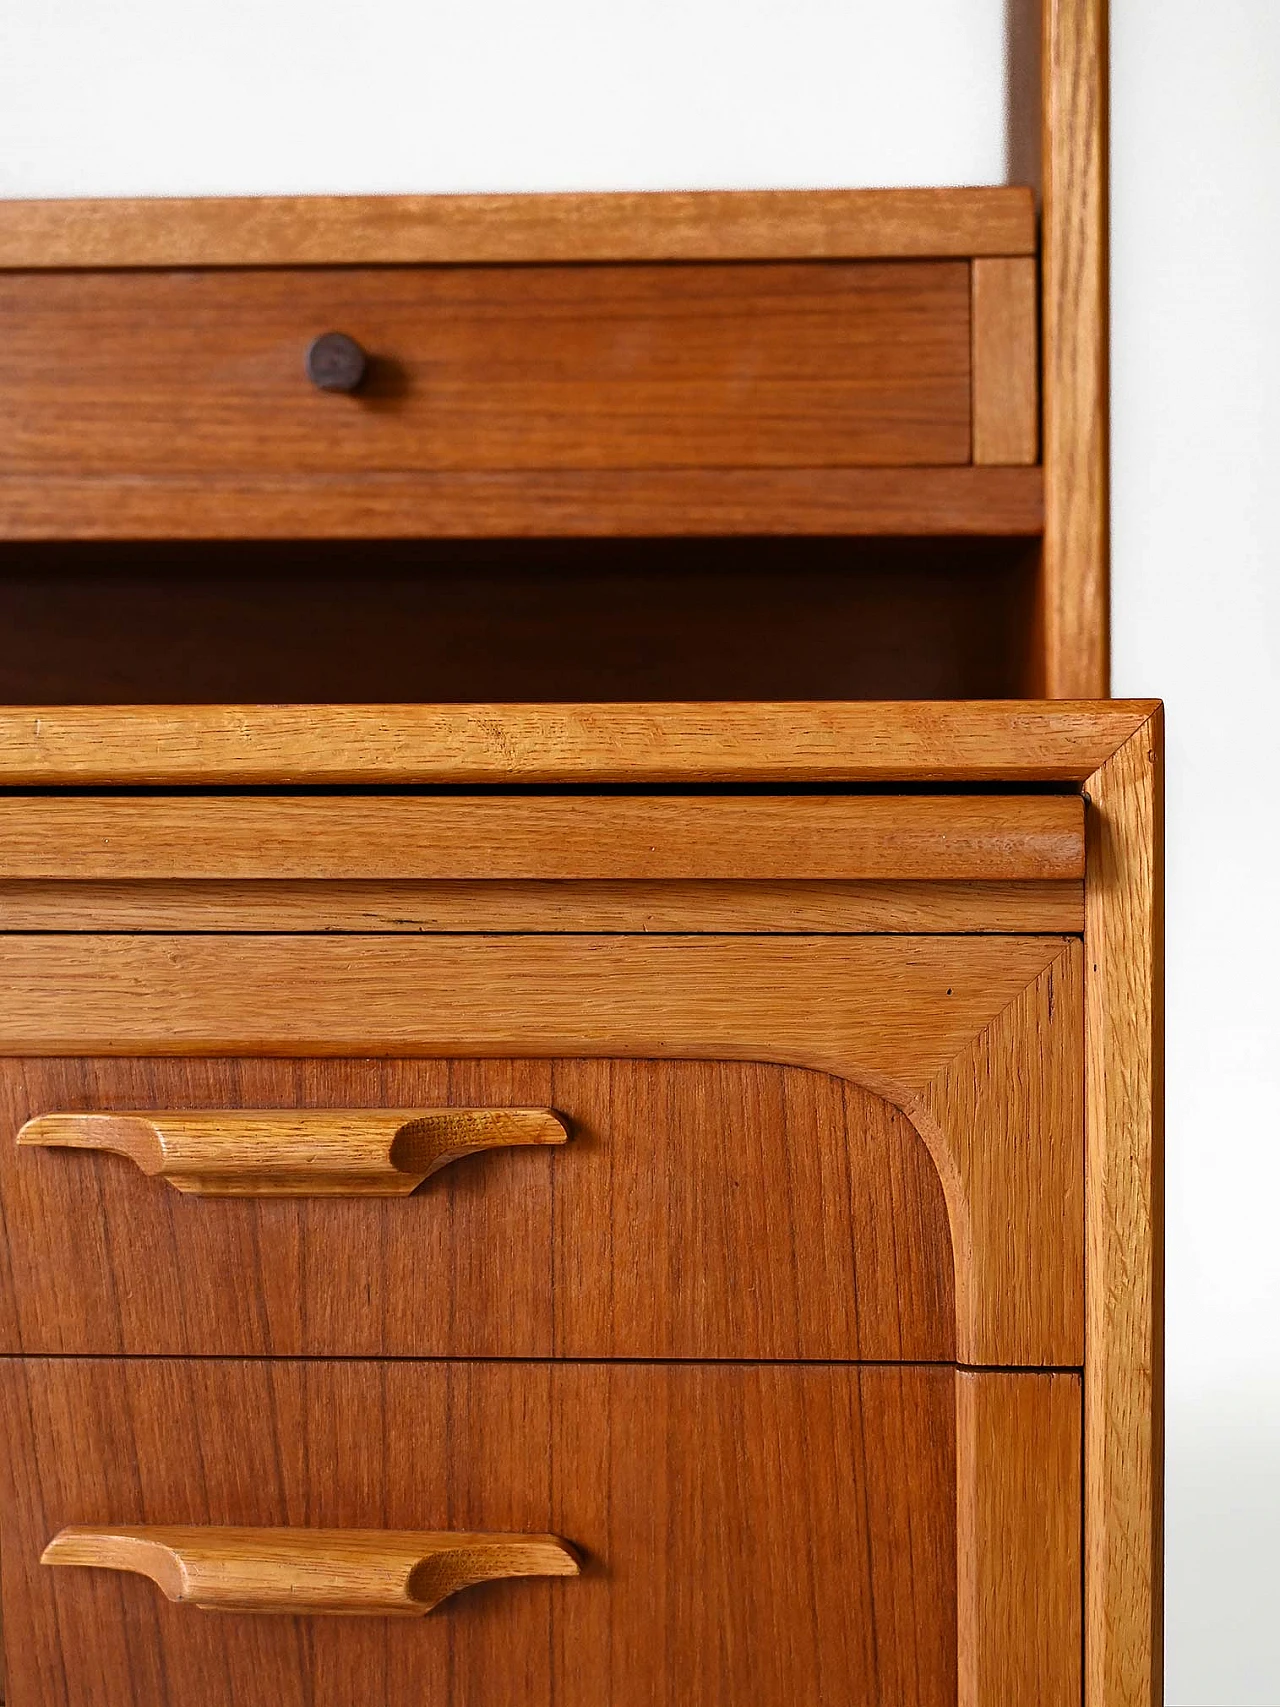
(318, 1152)
(380, 1571)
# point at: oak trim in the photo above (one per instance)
(1074, 318)
(1018, 1541)
(841, 838)
(701, 225)
(1124, 1129)
(701, 907)
(851, 741)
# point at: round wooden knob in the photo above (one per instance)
(336, 362)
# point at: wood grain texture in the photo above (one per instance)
(376, 230)
(915, 503)
(702, 1210)
(1018, 1541)
(845, 838)
(349, 1152)
(378, 1572)
(476, 369)
(904, 1018)
(1032, 1049)
(1006, 362)
(701, 907)
(1124, 1123)
(676, 1482)
(849, 741)
(1075, 321)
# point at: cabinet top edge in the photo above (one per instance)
(692, 225)
(861, 741)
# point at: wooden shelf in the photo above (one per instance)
(737, 225)
(662, 503)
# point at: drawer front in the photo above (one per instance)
(825, 1536)
(976, 1042)
(770, 365)
(699, 1209)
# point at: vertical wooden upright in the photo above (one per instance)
(1075, 369)
(1124, 1257)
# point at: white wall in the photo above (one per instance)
(1196, 462)
(140, 96)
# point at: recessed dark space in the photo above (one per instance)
(533, 620)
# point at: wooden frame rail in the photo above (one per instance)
(700, 225)
(865, 742)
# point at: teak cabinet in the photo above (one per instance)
(691, 1238)
(579, 1063)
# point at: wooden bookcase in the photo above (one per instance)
(655, 694)
(744, 446)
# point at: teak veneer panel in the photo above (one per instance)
(699, 1209)
(849, 741)
(701, 225)
(771, 1534)
(977, 1040)
(780, 365)
(762, 838)
(542, 905)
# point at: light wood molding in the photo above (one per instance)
(701, 225)
(850, 741)
(1074, 318)
(1040, 1093)
(670, 905)
(844, 838)
(1006, 362)
(664, 503)
(374, 1571)
(297, 1152)
(1124, 1126)
(1018, 1546)
(977, 1040)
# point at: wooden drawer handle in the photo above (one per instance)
(320, 1152)
(381, 1571)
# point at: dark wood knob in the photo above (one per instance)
(336, 362)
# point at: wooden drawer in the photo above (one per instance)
(533, 368)
(826, 1536)
(783, 1146)
(700, 1209)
